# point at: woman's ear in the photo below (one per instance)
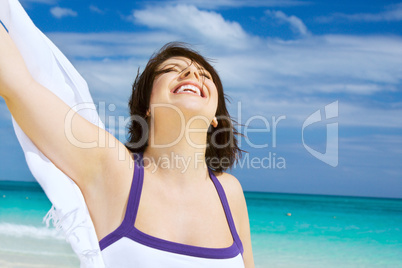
(214, 122)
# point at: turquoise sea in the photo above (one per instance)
(287, 230)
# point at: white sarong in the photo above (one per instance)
(52, 69)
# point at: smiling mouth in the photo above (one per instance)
(189, 89)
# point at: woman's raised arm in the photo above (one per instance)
(53, 127)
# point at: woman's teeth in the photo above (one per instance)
(189, 88)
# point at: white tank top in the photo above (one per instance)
(129, 247)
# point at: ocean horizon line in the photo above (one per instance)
(6, 184)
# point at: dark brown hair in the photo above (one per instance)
(222, 150)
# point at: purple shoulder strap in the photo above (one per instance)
(132, 206)
(226, 208)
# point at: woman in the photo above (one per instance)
(174, 211)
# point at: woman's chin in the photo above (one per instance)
(190, 109)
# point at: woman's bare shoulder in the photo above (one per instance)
(234, 193)
(230, 184)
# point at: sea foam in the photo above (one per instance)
(18, 230)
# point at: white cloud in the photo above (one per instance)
(95, 9)
(60, 12)
(296, 24)
(297, 109)
(330, 64)
(109, 45)
(375, 143)
(392, 13)
(192, 22)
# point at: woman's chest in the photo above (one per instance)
(196, 219)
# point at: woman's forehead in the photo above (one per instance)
(179, 61)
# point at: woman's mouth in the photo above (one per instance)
(189, 89)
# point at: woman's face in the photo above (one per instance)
(187, 86)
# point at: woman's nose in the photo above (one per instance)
(190, 71)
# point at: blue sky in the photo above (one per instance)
(277, 59)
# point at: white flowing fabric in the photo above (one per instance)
(52, 69)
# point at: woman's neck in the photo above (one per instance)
(177, 149)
